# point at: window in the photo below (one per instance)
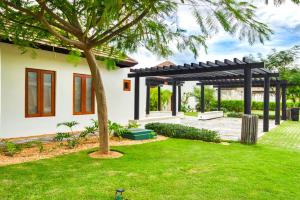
(83, 95)
(39, 93)
(127, 85)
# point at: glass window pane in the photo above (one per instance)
(88, 95)
(32, 93)
(77, 94)
(47, 96)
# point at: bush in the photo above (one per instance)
(60, 136)
(180, 131)
(10, 148)
(234, 114)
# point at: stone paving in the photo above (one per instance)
(228, 128)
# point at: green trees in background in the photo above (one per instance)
(284, 62)
(165, 97)
(209, 97)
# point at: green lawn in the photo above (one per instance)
(166, 170)
(287, 136)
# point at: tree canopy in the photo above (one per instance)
(125, 25)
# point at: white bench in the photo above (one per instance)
(210, 115)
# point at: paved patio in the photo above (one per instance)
(228, 128)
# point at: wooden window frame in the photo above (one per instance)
(40, 92)
(83, 78)
(126, 81)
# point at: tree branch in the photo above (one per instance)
(114, 27)
(75, 31)
(120, 30)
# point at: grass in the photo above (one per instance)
(166, 170)
(192, 114)
(287, 136)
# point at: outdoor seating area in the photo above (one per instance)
(220, 74)
(210, 115)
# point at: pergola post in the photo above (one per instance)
(202, 108)
(179, 98)
(277, 109)
(147, 99)
(283, 108)
(266, 103)
(219, 98)
(247, 90)
(174, 98)
(158, 98)
(136, 97)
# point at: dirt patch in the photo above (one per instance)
(53, 149)
(110, 155)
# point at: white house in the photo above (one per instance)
(37, 93)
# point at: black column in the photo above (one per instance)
(283, 108)
(179, 98)
(247, 89)
(148, 99)
(202, 108)
(277, 109)
(158, 99)
(136, 98)
(174, 98)
(219, 98)
(266, 103)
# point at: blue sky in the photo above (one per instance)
(284, 20)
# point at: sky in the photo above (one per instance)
(284, 20)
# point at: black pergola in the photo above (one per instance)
(237, 73)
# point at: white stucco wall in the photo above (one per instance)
(13, 121)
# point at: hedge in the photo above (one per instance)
(239, 115)
(238, 105)
(181, 131)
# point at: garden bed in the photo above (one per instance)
(52, 149)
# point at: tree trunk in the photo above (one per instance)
(101, 101)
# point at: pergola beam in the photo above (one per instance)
(266, 103)
(174, 99)
(277, 107)
(136, 98)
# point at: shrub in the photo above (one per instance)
(88, 131)
(133, 124)
(73, 142)
(10, 148)
(60, 136)
(70, 125)
(234, 114)
(180, 131)
(30, 144)
(116, 129)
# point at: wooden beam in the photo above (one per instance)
(158, 99)
(147, 99)
(266, 103)
(283, 108)
(202, 99)
(277, 108)
(247, 90)
(174, 99)
(136, 98)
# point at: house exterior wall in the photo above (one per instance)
(238, 94)
(13, 121)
